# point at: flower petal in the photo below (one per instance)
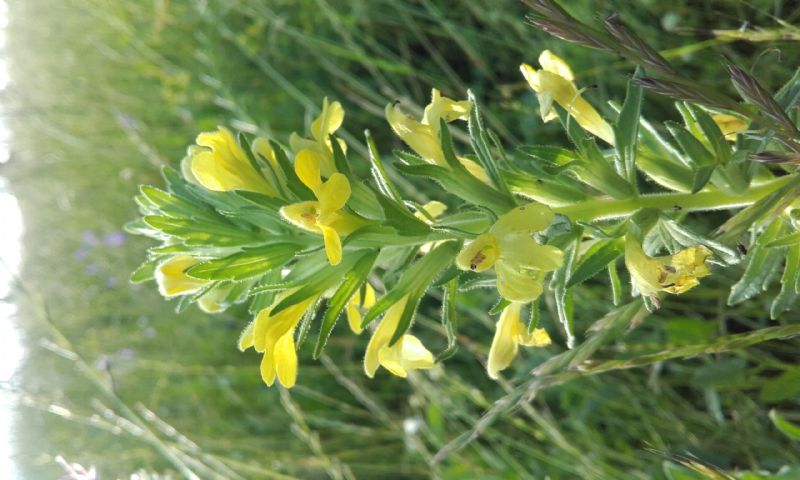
(334, 193)
(565, 93)
(171, 279)
(433, 209)
(246, 338)
(532, 217)
(303, 215)
(515, 284)
(226, 166)
(524, 251)
(306, 166)
(537, 338)
(267, 367)
(419, 137)
(551, 62)
(504, 344)
(480, 254)
(333, 244)
(286, 360)
(382, 335)
(443, 108)
(328, 121)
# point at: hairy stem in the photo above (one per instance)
(708, 199)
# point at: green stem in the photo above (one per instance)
(709, 199)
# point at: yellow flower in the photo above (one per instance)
(319, 145)
(509, 334)
(213, 301)
(356, 302)
(324, 215)
(173, 282)
(670, 273)
(729, 125)
(433, 209)
(223, 166)
(423, 136)
(554, 82)
(171, 279)
(273, 335)
(519, 261)
(406, 354)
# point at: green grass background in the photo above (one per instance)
(106, 92)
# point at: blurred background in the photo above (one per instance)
(97, 95)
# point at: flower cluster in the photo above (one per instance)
(298, 236)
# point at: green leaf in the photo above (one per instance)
(685, 237)
(711, 134)
(596, 258)
(787, 298)
(339, 157)
(737, 225)
(449, 319)
(415, 278)
(174, 206)
(785, 241)
(353, 280)
(248, 263)
(463, 185)
(203, 232)
(245, 144)
(399, 217)
(469, 223)
(593, 169)
(292, 180)
(377, 236)
(326, 278)
(382, 179)
(661, 161)
(761, 266)
(543, 189)
(786, 427)
(626, 130)
(561, 293)
(616, 285)
(263, 299)
(499, 306)
(407, 316)
(146, 271)
(700, 159)
(478, 140)
(364, 201)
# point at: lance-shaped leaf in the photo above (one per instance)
(353, 280)
(322, 281)
(415, 279)
(786, 427)
(249, 263)
(756, 213)
(788, 295)
(203, 232)
(761, 266)
(449, 319)
(478, 139)
(596, 258)
(626, 131)
(701, 160)
(293, 183)
(558, 283)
